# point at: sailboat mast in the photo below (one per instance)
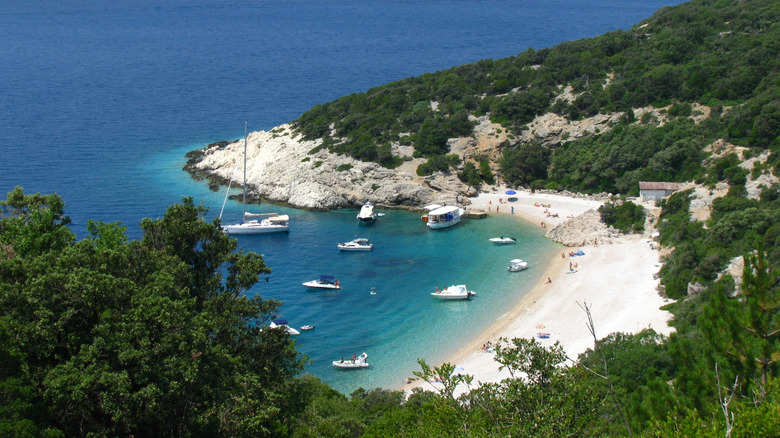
(243, 214)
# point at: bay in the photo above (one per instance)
(100, 102)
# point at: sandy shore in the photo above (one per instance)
(616, 281)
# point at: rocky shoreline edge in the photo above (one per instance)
(285, 170)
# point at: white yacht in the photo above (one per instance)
(273, 223)
(359, 244)
(324, 282)
(455, 292)
(367, 213)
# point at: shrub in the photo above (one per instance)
(626, 216)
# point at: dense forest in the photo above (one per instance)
(111, 337)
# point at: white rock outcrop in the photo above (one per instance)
(584, 229)
(282, 169)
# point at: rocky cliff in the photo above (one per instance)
(282, 169)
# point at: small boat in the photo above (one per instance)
(503, 240)
(444, 217)
(307, 327)
(458, 292)
(324, 282)
(517, 265)
(274, 223)
(355, 362)
(359, 244)
(282, 323)
(367, 214)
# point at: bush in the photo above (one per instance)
(626, 216)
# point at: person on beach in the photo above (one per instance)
(549, 280)
(513, 209)
(570, 266)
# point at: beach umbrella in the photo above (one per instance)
(510, 192)
(458, 370)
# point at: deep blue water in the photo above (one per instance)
(99, 101)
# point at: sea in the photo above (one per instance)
(100, 101)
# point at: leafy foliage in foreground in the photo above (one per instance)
(154, 338)
(158, 337)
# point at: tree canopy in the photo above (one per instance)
(157, 337)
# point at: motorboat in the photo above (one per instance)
(455, 292)
(282, 323)
(324, 282)
(307, 327)
(444, 217)
(359, 244)
(503, 240)
(355, 362)
(367, 214)
(517, 265)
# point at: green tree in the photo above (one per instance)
(157, 337)
(525, 163)
(746, 328)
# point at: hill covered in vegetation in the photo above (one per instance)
(719, 54)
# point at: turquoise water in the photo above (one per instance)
(402, 322)
(101, 100)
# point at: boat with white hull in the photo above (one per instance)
(272, 222)
(359, 244)
(367, 214)
(455, 292)
(517, 265)
(282, 324)
(324, 282)
(503, 240)
(355, 362)
(444, 217)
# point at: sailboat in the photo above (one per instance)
(271, 222)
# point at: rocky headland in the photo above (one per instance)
(282, 169)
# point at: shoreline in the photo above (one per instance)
(617, 280)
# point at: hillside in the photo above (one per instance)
(593, 115)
